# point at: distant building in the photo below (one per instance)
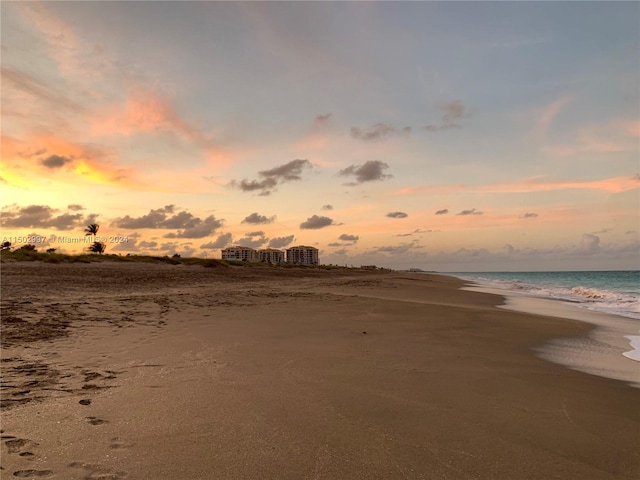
(302, 255)
(271, 255)
(240, 254)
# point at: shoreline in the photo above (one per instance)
(606, 350)
(188, 373)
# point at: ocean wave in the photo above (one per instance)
(596, 299)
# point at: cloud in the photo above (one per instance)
(603, 137)
(184, 249)
(82, 162)
(187, 224)
(342, 251)
(534, 184)
(315, 222)
(55, 161)
(451, 113)
(131, 245)
(153, 219)
(547, 115)
(397, 215)
(370, 171)
(378, 132)
(529, 215)
(257, 219)
(280, 242)
(253, 240)
(321, 120)
(444, 211)
(42, 216)
(75, 207)
(271, 178)
(327, 207)
(33, 87)
(396, 249)
(145, 244)
(221, 242)
(473, 211)
(416, 231)
(197, 228)
(349, 238)
(590, 243)
(145, 110)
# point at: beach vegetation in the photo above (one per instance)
(30, 254)
(5, 246)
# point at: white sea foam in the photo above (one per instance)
(634, 354)
(596, 299)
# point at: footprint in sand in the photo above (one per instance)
(85, 401)
(96, 421)
(97, 472)
(32, 473)
(16, 444)
(118, 443)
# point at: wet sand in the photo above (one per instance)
(140, 371)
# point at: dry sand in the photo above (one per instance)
(138, 371)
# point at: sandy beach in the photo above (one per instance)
(144, 371)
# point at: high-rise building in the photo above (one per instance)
(239, 253)
(271, 255)
(302, 255)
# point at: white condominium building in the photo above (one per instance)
(238, 253)
(271, 255)
(302, 255)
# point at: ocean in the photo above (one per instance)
(611, 292)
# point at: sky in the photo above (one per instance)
(448, 136)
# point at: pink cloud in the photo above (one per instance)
(548, 114)
(537, 184)
(143, 111)
(613, 136)
(76, 59)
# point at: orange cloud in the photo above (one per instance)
(48, 157)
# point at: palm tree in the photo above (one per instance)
(92, 230)
(97, 247)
